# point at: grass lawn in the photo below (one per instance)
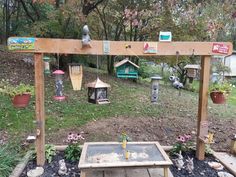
(127, 99)
(232, 97)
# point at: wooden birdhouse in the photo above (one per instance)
(192, 70)
(97, 92)
(126, 69)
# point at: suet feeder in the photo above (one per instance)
(155, 88)
(59, 85)
(46, 60)
(192, 71)
(76, 75)
(97, 92)
(126, 69)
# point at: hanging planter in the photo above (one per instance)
(20, 94)
(219, 92)
(218, 97)
(21, 101)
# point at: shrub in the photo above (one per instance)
(9, 157)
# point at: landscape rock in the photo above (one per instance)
(224, 174)
(37, 172)
(216, 165)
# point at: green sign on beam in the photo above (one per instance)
(21, 43)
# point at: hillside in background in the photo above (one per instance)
(130, 110)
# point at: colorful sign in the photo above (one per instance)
(21, 43)
(150, 47)
(220, 48)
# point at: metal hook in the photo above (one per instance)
(193, 52)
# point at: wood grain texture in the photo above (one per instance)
(202, 104)
(137, 173)
(39, 107)
(73, 46)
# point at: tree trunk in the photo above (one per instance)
(110, 65)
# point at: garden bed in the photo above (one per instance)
(201, 168)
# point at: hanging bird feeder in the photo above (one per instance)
(76, 75)
(46, 60)
(155, 88)
(126, 69)
(59, 85)
(97, 92)
(192, 71)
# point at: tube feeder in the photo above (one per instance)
(59, 85)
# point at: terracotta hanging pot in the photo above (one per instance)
(218, 97)
(21, 101)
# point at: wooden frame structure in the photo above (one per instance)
(71, 46)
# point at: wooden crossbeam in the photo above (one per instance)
(129, 48)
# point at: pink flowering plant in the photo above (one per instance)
(183, 144)
(73, 151)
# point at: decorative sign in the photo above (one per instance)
(21, 43)
(150, 47)
(165, 36)
(106, 47)
(220, 48)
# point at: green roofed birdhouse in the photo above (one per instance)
(126, 69)
(97, 92)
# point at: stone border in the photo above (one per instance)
(21, 166)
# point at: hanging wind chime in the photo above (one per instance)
(59, 83)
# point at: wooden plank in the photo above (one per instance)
(114, 173)
(229, 161)
(39, 108)
(137, 173)
(92, 174)
(158, 172)
(202, 104)
(72, 46)
(163, 153)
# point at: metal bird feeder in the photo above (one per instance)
(59, 85)
(97, 92)
(155, 88)
(46, 60)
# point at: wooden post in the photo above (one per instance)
(39, 108)
(202, 104)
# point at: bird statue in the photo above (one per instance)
(85, 37)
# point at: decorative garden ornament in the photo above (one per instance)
(85, 37)
(179, 163)
(175, 82)
(189, 165)
(62, 167)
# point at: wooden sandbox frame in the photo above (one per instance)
(124, 48)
